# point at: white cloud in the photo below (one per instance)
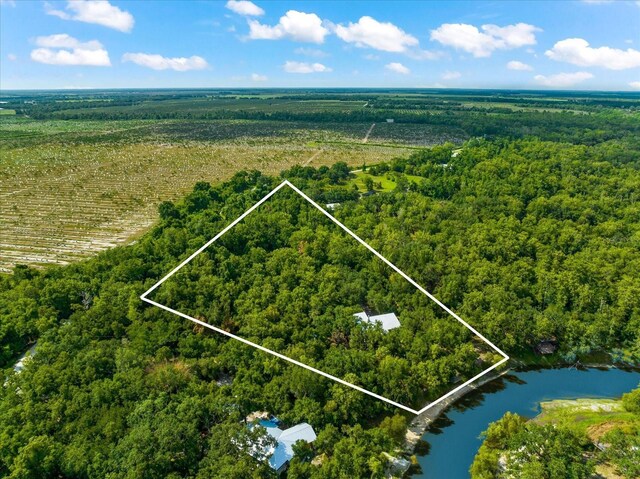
(310, 52)
(369, 32)
(372, 57)
(578, 52)
(62, 40)
(514, 36)
(258, 78)
(158, 62)
(516, 65)
(11, 57)
(63, 49)
(468, 38)
(451, 75)
(11, 3)
(76, 57)
(397, 68)
(562, 80)
(635, 84)
(244, 7)
(301, 67)
(597, 2)
(419, 54)
(294, 25)
(100, 12)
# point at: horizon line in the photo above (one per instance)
(271, 88)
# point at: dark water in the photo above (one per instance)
(454, 441)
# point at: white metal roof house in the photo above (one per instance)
(282, 453)
(388, 321)
(19, 366)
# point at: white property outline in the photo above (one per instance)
(143, 297)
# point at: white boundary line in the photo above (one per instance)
(143, 297)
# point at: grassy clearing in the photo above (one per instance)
(7, 112)
(382, 183)
(594, 417)
(607, 471)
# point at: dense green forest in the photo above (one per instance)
(290, 279)
(525, 239)
(567, 447)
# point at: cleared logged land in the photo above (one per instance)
(69, 189)
(82, 171)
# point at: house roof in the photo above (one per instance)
(19, 366)
(363, 316)
(388, 321)
(273, 430)
(302, 431)
(280, 456)
(283, 452)
(546, 347)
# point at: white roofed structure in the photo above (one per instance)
(388, 321)
(302, 431)
(363, 316)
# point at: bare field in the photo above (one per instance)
(60, 202)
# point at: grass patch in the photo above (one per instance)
(593, 417)
(382, 183)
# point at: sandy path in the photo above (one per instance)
(366, 137)
(313, 157)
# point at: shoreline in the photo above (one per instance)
(421, 423)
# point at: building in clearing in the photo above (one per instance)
(282, 453)
(388, 321)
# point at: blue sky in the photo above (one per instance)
(592, 45)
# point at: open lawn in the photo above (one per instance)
(382, 183)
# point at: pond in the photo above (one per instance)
(454, 438)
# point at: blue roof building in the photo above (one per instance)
(282, 453)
